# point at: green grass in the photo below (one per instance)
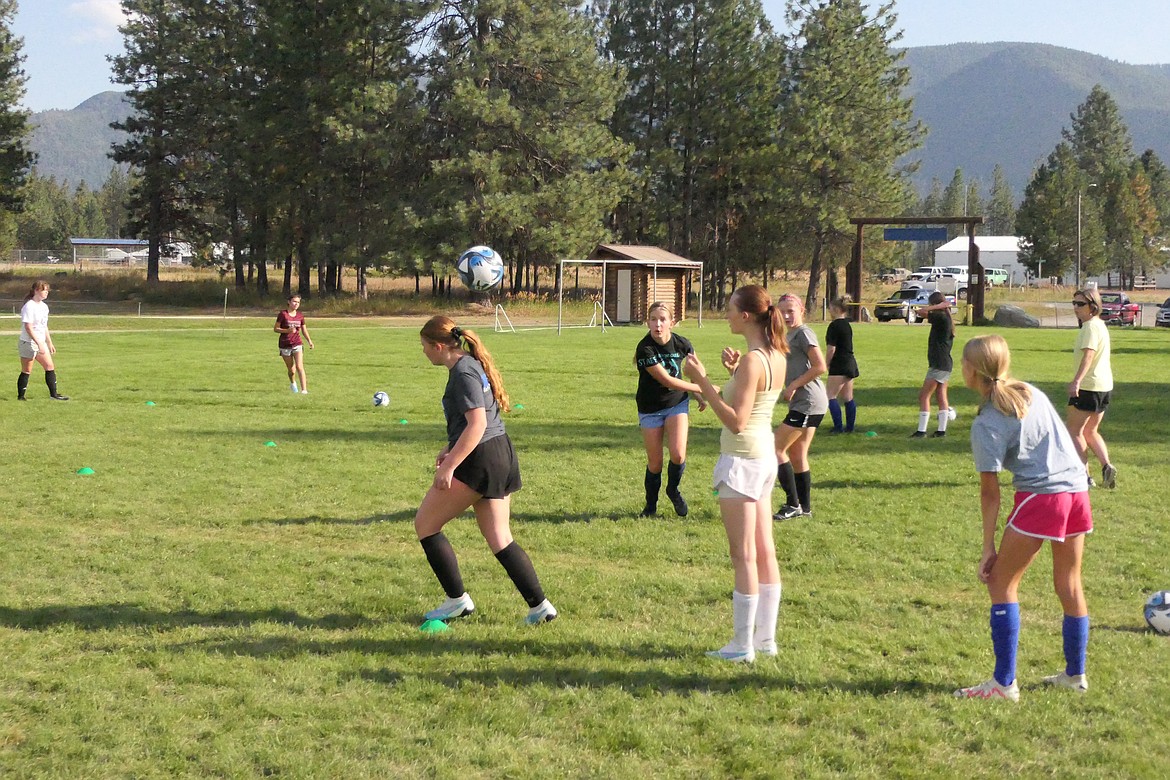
(204, 605)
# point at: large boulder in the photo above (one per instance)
(1014, 317)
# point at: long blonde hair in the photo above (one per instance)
(443, 330)
(754, 300)
(991, 360)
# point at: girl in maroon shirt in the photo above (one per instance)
(290, 324)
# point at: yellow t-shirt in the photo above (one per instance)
(1094, 335)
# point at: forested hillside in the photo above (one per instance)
(74, 145)
(1005, 103)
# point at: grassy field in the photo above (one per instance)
(204, 605)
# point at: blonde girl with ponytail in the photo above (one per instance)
(1018, 430)
(478, 469)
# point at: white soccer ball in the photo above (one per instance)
(381, 399)
(480, 268)
(1158, 612)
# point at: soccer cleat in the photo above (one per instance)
(805, 512)
(733, 654)
(541, 613)
(304, 392)
(293, 386)
(1074, 682)
(990, 690)
(787, 513)
(649, 511)
(1109, 476)
(938, 434)
(59, 397)
(452, 608)
(767, 647)
(1092, 482)
(952, 415)
(918, 435)
(680, 503)
(21, 397)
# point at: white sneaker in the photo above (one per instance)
(541, 613)
(990, 690)
(304, 392)
(1074, 682)
(730, 652)
(293, 386)
(452, 608)
(952, 414)
(767, 647)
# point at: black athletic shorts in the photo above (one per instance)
(1091, 401)
(492, 469)
(802, 420)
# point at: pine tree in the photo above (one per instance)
(846, 123)
(1001, 209)
(16, 159)
(1159, 177)
(523, 158)
(1047, 219)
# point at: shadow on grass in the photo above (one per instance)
(407, 516)
(100, 617)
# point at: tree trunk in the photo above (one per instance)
(814, 272)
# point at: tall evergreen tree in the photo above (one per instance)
(523, 158)
(15, 157)
(1159, 177)
(846, 123)
(1001, 208)
(1047, 219)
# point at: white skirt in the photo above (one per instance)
(744, 477)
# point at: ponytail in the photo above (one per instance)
(989, 357)
(755, 301)
(443, 330)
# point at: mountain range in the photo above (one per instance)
(983, 104)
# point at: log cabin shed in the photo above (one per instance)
(636, 276)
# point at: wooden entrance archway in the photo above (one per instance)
(975, 286)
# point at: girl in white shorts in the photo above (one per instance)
(746, 469)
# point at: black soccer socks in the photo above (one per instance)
(520, 569)
(441, 557)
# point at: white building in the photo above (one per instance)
(1004, 252)
(994, 252)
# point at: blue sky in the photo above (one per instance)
(66, 41)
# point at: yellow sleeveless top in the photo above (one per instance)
(755, 440)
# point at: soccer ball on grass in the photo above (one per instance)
(480, 268)
(1158, 612)
(381, 398)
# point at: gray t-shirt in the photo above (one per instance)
(810, 399)
(1037, 450)
(467, 389)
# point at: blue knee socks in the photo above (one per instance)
(835, 411)
(1005, 636)
(850, 415)
(1076, 644)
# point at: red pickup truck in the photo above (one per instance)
(1117, 309)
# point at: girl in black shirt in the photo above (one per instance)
(842, 365)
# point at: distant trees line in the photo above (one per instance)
(393, 134)
(389, 134)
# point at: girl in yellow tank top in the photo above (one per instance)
(746, 469)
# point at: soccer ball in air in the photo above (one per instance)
(1158, 612)
(381, 399)
(480, 268)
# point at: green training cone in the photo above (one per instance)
(269, 444)
(433, 627)
(150, 403)
(871, 434)
(402, 422)
(85, 470)
(518, 406)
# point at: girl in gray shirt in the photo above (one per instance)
(807, 404)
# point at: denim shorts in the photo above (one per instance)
(658, 419)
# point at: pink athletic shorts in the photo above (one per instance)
(1052, 516)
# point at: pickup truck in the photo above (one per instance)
(1118, 309)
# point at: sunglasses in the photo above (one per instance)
(1080, 303)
